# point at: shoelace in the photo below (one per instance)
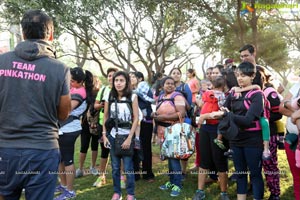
(176, 188)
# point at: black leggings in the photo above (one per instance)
(66, 145)
(145, 137)
(85, 138)
(104, 150)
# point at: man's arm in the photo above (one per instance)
(64, 107)
(285, 107)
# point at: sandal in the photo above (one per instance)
(219, 143)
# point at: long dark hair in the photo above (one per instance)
(127, 92)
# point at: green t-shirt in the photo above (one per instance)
(104, 91)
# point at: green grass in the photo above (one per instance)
(150, 191)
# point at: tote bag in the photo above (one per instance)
(179, 141)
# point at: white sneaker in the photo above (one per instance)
(79, 173)
(94, 171)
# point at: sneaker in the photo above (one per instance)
(130, 197)
(60, 189)
(219, 143)
(137, 144)
(79, 173)
(266, 155)
(175, 191)
(228, 153)
(200, 194)
(224, 196)
(166, 186)
(94, 171)
(123, 183)
(116, 196)
(66, 195)
(100, 182)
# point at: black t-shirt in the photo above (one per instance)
(245, 118)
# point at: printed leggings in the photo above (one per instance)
(271, 170)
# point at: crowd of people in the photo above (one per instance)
(235, 112)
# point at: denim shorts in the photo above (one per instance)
(32, 169)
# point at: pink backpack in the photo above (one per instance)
(267, 107)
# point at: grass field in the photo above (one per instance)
(150, 191)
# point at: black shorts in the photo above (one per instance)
(211, 156)
(87, 138)
(66, 146)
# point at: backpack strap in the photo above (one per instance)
(172, 97)
(116, 101)
(266, 105)
(248, 96)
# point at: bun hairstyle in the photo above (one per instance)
(192, 71)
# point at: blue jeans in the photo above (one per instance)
(128, 169)
(175, 172)
(249, 158)
(32, 169)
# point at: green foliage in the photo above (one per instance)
(144, 34)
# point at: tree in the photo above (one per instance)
(225, 21)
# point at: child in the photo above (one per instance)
(212, 100)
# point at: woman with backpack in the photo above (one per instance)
(89, 134)
(81, 96)
(99, 105)
(170, 105)
(185, 90)
(121, 107)
(247, 145)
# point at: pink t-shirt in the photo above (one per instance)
(194, 86)
(81, 91)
